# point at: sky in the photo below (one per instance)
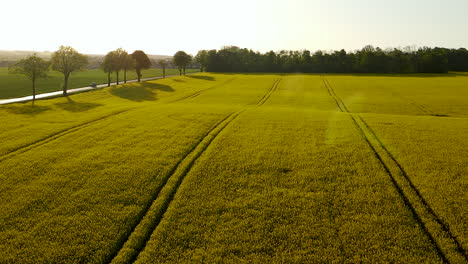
(165, 26)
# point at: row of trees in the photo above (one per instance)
(119, 60)
(366, 60)
(67, 60)
(233, 59)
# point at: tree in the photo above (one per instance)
(188, 60)
(163, 64)
(67, 60)
(32, 67)
(141, 62)
(181, 60)
(109, 65)
(129, 64)
(120, 61)
(202, 59)
(367, 60)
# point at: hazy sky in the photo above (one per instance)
(165, 26)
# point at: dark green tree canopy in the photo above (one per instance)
(141, 62)
(120, 59)
(163, 63)
(181, 60)
(129, 63)
(202, 59)
(367, 60)
(110, 62)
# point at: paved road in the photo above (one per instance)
(75, 90)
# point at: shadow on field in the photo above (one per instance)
(27, 109)
(202, 77)
(140, 92)
(72, 106)
(177, 80)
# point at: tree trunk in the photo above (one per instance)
(164, 72)
(125, 75)
(108, 79)
(65, 84)
(180, 71)
(184, 70)
(34, 90)
(138, 71)
(117, 73)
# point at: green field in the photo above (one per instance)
(232, 168)
(17, 85)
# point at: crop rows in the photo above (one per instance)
(286, 197)
(82, 156)
(231, 168)
(137, 239)
(448, 247)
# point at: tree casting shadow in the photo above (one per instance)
(202, 77)
(140, 92)
(72, 106)
(26, 109)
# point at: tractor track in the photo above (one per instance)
(64, 132)
(135, 241)
(59, 134)
(268, 94)
(421, 107)
(444, 226)
(204, 90)
(448, 248)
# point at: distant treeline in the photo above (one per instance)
(366, 60)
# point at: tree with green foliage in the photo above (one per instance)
(129, 64)
(32, 67)
(141, 62)
(120, 61)
(188, 60)
(163, 63)
(367, 60)
(181, 60)
(202, 59)
(108, 65)
(67, 60)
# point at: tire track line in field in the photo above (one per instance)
(444, 226)
(204, 90)
(129, 248)
(446, 244)
(269, 93)
(59, 134)
(331, 200)
(421, 107)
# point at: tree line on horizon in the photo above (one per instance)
(234, 59)
(67, 60)
(367, 60)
